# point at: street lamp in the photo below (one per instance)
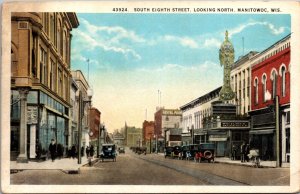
(82, 102)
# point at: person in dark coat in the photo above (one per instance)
(73, 151)
(92, 151)
(87, 151)
(243, 147)
(52, 149)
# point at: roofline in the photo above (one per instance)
(199, 98)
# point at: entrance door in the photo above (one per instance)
(221, 148)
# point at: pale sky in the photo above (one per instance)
(132, 56)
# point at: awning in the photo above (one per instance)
(217, 138)
(261, 132)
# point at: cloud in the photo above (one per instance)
(116, 32)
(184, 41)
(108, 38)
(270, 26)
(212, 42)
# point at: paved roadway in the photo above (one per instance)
(153, 169)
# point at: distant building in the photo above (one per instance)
(118, 139)
(148, 130)
(164, 120)
(83, 86)
(134, 136)
(73, 124)
(193, 114)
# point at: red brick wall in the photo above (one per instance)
(274, 62)
(148, 130)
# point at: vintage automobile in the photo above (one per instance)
(121, 150)
(205, 152)
(176, 152)
(108, 152)
(184, 151)
(168, 151)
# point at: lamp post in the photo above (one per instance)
(82, 102)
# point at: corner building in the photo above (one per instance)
(40, 81)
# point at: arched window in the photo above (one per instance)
(256, 90)
(264, 87)
(65, 46)
(59, 37)
(283, 80)
(274, 83)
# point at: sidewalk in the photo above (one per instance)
(67, 165)
(267, 164)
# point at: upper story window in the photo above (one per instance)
(59, 33)
(274, 82)
(52, 28)
(283, 80)
(43, 66)
(256, 90)
(264, 87)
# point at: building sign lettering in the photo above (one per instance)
(235, 124)
(171, 112)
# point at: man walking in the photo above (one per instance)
(243, 150)
(52, 149)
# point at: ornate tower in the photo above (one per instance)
(226, 56)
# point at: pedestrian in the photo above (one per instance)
(243, 146)
(87, 151)
(92, 151)
(73, 151)
(233, 152)
(82, 151)
(52, 149)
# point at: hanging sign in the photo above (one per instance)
(32, 115)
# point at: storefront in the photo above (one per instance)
(46, 119)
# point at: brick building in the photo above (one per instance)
(40, 81)
(95, 120)
(271, 78)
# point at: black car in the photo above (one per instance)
(108, 152)
(184, 151)
(121, 150)
(176, 153)
(168, 151)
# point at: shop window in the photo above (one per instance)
(32, 97)
(287, 131)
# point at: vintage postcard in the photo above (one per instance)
(150, 97)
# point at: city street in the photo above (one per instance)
(154, 169)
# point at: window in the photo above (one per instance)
(43, 66)
(60, 82)
(283, 81)
(59, 37)
(264, 87)
(52, 28)
(256, 91)
(65, 45)
(274, 83)
(51, 75)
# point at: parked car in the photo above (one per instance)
(206, 152)
(108, 152)
(193, 149)
(184, 151)
(121, 150)
(168, 151)
(176, 152)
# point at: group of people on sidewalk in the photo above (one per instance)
(56, 150)
(244, 152)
